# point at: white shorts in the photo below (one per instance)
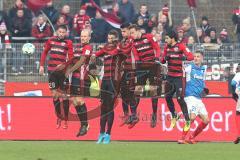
(195, 106)
(238, 104)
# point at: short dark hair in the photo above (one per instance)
(199, 51)
(125, 25)
(134, 26)
(114, 33)
(172, 34)
(62, 27)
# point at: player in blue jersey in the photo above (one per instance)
(236, 94)
(195, 87)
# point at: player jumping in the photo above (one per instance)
(175, 53)
(147, 51)
(82, 54)
(60, 49)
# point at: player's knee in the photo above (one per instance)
(77, 101)
(55, 95)
(180, 99)
(192, 117)
(206, 120)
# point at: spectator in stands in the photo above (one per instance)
(152, 23)
(19, 5)
(236, 22)
(41, 29)
(181, 37)
(161, 31)
(200, 35)
(100, 29)
(80, 20)
(20, 25)
(164, 20)
(207, 39)
(205, 26)
(224, 38)
(51, 12)
(213, 35)
(116, 12)
(187, 28)
(141, 24)
(126, 9)
(91, 11)
(68, 18)
(143, 14)
(4, 43)
(190, 42)
(4, 18)
(167, 18)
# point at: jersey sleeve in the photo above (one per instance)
(155, 45)
(99, 53)
(70, 49)
(163, 56)
(188, 70)
(45, 52)
(187, 53)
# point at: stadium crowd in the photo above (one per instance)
(20, 21)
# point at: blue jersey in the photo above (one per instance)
(236, 81)
(195, 77)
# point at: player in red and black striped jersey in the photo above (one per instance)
(109, 86)
(78, 68)
(147, 51)
(59, 50)
(175, 54)
(128, 77)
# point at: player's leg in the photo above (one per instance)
(170, 103)
(192, 110)
(111, 100)
(81, 110)
(103, 106)
(203, 114)
(180, 93)
(63, 85)
(53, 85)
(125, 101)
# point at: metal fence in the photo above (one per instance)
(18, 67)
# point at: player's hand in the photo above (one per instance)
(60, 67)
(184, 58)
(206, 91)
(167, 58)
(67, 73)
(93, 59)
(41, 70)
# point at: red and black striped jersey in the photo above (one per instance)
(59, 50)
(81, 50)
(175, 57)
(146, 48)
(109, 52)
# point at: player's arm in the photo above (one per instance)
(234, 85)
(205, 89)
(43, 57)
(81, 61)
(155, 45)
(187, 53)
(164, 58)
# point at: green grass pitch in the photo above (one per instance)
(88, 150)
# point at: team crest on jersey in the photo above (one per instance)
(176, 49)
(145, 41)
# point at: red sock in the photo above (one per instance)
(238, 123)
(184, 133)
(199, 129)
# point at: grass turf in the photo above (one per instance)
(82, 150)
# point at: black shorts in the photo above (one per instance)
(56, 80)
(80, 87)
(127, 85)
(178, 86)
